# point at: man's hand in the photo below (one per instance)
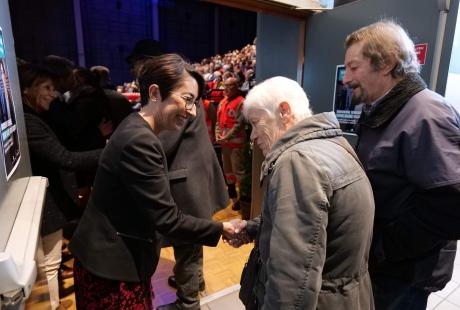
(239, 225)
(240, 235)
(229, 230)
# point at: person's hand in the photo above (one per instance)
(224, 138)
(240, 235)
(239, 225)
(221, 138)
(232, 228)
(229, 230)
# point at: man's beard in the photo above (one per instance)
(361, 97)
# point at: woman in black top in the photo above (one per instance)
(117, 243)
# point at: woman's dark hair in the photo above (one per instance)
(167, 71)
(32, 73)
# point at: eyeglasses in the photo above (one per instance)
(189, 101)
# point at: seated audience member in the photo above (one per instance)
(315, 229)
(249, 82)
(117, 243)
(227, 75)
(48, 157)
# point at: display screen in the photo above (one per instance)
(346, 109)
(10, 139)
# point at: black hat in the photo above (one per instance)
(144, 48)
(60, 66)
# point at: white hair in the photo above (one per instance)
(271, 92)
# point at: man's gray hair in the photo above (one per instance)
(270, 93)
(385, 41)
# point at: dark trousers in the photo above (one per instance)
(189, 274)
(393, 294)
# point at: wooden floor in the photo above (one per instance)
(222, 269)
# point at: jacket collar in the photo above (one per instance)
(318, 126)
(392, 102)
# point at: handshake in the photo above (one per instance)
(235, 233)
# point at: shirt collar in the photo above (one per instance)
(368, 108)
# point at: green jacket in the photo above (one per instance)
(318, 215)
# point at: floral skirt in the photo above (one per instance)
(93, 292)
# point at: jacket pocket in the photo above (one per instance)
(346, 179)
(347, 293)
(341, 285)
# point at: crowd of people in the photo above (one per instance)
(238, 63)
(340, 228)
(229, 78)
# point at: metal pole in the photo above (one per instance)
(79, 34)
(155, 21)
(301, 54)
(443, 7)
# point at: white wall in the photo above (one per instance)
(12, 191)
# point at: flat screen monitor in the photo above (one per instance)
(346, 109)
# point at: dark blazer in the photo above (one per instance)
(118, 237)
(196, 179)
(47, 157)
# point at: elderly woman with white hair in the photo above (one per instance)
(315, 229)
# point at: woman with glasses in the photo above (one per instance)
(117, 243)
